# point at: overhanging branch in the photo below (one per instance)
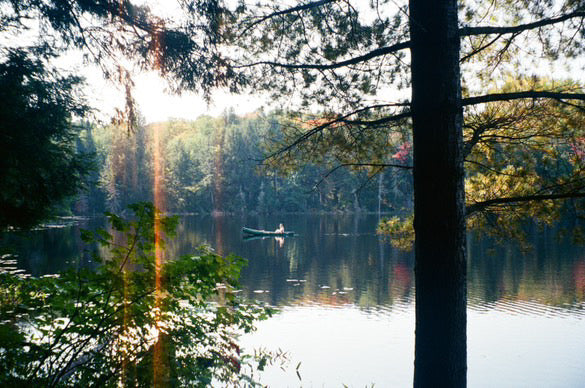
(380, 166)
(383, 120)
(480, 49)
(302, 7)
(342, 119)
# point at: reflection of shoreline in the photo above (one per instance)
(336, 284)
(339, 299)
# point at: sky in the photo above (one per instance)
(156, 103)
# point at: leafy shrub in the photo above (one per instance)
(140, 319)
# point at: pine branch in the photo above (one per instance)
(478, 206)
(342, 119)
(521, 95)
(483, 30)
(498, 172)
(302, 7)
(380, 166)
(334, 65)
(383, 120)
(465, 31)
(480, 49)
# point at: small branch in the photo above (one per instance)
(383, 120)
(284, 12)
(343, 119)
(582, 109)
(502, 51)
(368, 180)
(491, 169)
(381, 166)
(132, 246)
(480, 49)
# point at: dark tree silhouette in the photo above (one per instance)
(39, 165)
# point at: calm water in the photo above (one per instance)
(347, 300)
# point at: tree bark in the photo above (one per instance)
(439, 203)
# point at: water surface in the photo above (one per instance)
(346, 300)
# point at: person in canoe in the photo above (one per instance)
(280, 229)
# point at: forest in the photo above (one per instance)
(216, 165)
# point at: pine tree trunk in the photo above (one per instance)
(440, 265)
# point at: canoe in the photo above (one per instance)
(256, 232)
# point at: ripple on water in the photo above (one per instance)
(528, 308)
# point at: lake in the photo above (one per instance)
(346, 299)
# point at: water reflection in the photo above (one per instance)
(347, 298)
(551, 273)
(339, 260)
(49, 250)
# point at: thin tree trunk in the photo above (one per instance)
(380, 183)
(439, 203)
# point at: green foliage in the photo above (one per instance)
(400, 231)
(39, 166)
(109, 30)
(138, 319)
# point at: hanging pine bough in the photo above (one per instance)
(524, 162)
(134, 321)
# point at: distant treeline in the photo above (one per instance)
(214, 165)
